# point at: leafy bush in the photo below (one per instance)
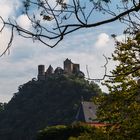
(78, 131)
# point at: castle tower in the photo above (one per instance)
(41, 72)
(49, 70)
(68, 66)
(76, 68)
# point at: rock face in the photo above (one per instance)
(43, 103)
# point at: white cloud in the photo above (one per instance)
(24, 21)
(5, 11)
(121, 37)
(4, 39)
(102, 40)
(8, 8)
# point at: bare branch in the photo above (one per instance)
(105, 72)
(3, 25)
(57, 21)
(10, 42)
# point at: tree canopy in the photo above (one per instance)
(38, 104)
(77, 131)
(2, 106)
(122, 106)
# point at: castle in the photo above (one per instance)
(69, 68)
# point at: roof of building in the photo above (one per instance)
(68, 60)
(58, 70)
(99, 124)
(50, 68)
(87, 112)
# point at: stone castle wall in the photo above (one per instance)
(69, 68)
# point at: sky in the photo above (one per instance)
(85, 47)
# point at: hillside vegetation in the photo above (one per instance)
(44, 103)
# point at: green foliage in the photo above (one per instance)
(122, 105)
(2, 106)
(78, 131)
(44, 103)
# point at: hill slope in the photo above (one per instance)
(43, 103)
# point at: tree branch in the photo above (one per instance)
(68, 19)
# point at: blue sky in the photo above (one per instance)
(85, 47)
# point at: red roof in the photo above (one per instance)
(98, 124)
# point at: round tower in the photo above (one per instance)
(41, 72)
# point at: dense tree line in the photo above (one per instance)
(122, 106)
(2, 106)
(44, 103)
(77, 131)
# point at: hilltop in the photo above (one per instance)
(41, 103)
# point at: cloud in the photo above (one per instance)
(8, 8)
(4, 39)
(121, 37)
(24, 21)
(102, 40)
(5, 11)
